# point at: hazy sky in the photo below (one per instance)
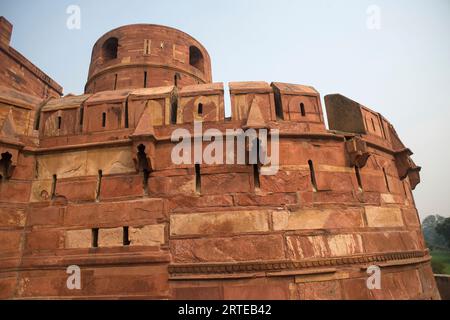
(401, 70)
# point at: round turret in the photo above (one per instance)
(146, 55)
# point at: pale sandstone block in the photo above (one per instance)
(110, 237)
(217, 223)
(78, 239)
(384, 217)
(64, 165)
(41, 190)
(387, 198)
(317, 219)
(152, 235)
(345, 244)
(110, 161)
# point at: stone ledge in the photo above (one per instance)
(177, 271)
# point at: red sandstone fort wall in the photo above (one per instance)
(77, 188)
(19, 73)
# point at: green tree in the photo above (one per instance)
(433, 239)
(443, 229)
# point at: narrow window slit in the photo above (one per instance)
(173, 116)
(81, 115)
(358, 178)
(146, 46)
(176, 77)
(99, 185)
(126, 114)
(53, 192)
(256, 176)
(95, 238)
(59, 122)
(145, 181)
(126, 237)
(200, 109)
(312, 175)
(104, 119)
(115, 81)
(198, 179)
(145, 79)
(302, 109)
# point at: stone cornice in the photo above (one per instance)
(327, 265)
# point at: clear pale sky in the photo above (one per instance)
(401, 70)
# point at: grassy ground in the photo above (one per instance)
(440, 261)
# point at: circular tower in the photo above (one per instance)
(147, 55)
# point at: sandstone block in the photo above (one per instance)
(78, 239)
(219, 223)
(382, 217)
(112, 237)
(317, 219)
(151, 235)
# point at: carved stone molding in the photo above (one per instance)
(288, 265)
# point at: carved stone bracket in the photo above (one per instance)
(407, 168)
(357, 151)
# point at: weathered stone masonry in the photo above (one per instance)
(88, 180)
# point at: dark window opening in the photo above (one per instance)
(404, 189)
(53, 192)
(145, 79)
(386, 180)
(200, 109)
(173, 113)
(81, 115)
(5, 164)
(142, 159)
(104, 119)
(196, 58)
(302, 109)
(312, 175)
(99, 185)
(256, 176)
(109, 49)
(95, 238)
(358, 178)
(146, 46)
(278, 104)
(145, 181)
(176, 77)
(126, 238)
(198, 179)
(59, 120)
(115, 81)
(126, 114)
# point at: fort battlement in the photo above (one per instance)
(89, 180)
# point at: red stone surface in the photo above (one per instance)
(71, 166)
